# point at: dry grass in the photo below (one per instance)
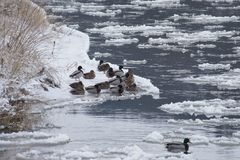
(22, 32)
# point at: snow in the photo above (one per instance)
(32, 138)
(213, 107)
(208, 66)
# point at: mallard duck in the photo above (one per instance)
(89, 75)
(131, 88)
(179, 147)
(103, 66)
(110, 73)
(117, 89)
(116, 81)
(104, 85)
(78, 88)
(77, 74)
(93, 89)
(119, 72)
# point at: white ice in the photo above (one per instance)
(213, 107)
(208, 66)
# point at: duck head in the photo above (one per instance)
(120, 67)
(110, 69)
(100, 62)
(79, 68)
(186, 140)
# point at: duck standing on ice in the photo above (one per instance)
(77, 74)
(103, 66)
(89, 75)
(93, 89)
(77, 88)
(179, 147)
(119, 72)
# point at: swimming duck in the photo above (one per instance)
(77, 74)
(104, 85)
(89, 75)
(119, 72)
(103, 66)
(93, 89)
(117, 89)
(78, 88)
(110, 73)
(116, 81)
(179, 147)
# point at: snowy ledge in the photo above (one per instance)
(70, 50)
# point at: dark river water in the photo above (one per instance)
(164, 41)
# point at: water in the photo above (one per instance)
(117, 124)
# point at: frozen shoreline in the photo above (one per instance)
(70, 51)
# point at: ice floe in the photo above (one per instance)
(121, 41)
(176, 136)
(208, 66)
(130, 29)
(134, 61)
(158, 3)
(154, 137)
(32, 138)
(99, 54)
(228, 80)
(64, 9)
(213, 107)
(206, 19)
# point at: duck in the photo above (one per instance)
(119, 72)
(103, 66)
(116, 81)
(179, 147)
(131, 88)
(117, 90)
(77, 88)
(93, 89)
(77, 74)
(129, 78)
(89, 75)
(110, 73)
(104, 85)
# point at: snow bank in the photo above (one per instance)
(214, 107)
(228, 80)
(208, 66)
(32, 138)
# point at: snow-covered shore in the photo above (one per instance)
(70, 51)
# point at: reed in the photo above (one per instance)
(23, 28)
